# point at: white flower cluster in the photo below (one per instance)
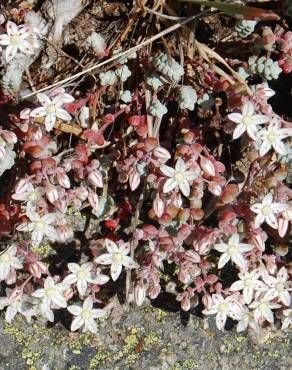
(187, 97)
(168, 67)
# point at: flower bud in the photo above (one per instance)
(215, 188)
(9, 136)
(95, 179)
(158, 206)
(207, 166)
(134, 179)
(192, 256)
(282, 226)
(93, 200)
(52, 193)
(81, 193)
(139, 293)
(63, 180)
(21, 186)
(185, 304)
(161, 153)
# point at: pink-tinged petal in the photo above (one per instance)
(38, 293)
(19, 196)
(282, 274)
(10, 53)
(26, 47)
(88, 303)
(237, 285)
(11, 28)
(97, 313)
(77, 323)
(50, 121)
(212, 311)
(48, 313)
(245, 247)
(234, 239)
(26, 227)
(81, 287)
(87, 266)
(247, 109)
(235, 117)
(239, 260)
(44, 99)
(75, 310)
(58, 100)
(279, 207)
(167, 171)
(252, 132)
(259, 220)
(38, 112)
(169, 185)
(116, 270)
(10, 313)
(191, 175)
(59, 300)
(240, 129)
(272, 221)
(4, 40)
(4, 271)
(91, 326)
(270, 295)
(220, 320)
(104, 259)
(15, 263)
(285, 297)
(49, 218)
(268, 199)
(49, 282)
(63, 114)
(128, 262)
(111, 246)
(259, 285)
(37, 237)
(70, 279)
(223, 260)
(265, 147)
(33, 216)
(125, 248)
(284, 132)
(220, 247)
(268, 315)
(100, 279)
(256, 208)
(280, 147)
(51, 233)
(260, 119)
(185, 188)
(217, 299)
(247, 295)
(180, 165)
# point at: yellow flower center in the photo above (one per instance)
(179, 176)
(51, 108)
(263, 306)
(280, 286)
(81, 274)
(272, 137)
(50, 292)
(117, 257)
(266, 210)
(15, 40)
(247, 120)
(6, 258)
(39, 225)
(223, 307)
(248, 282)
(33, 196)
(232, 250)
(86, 314)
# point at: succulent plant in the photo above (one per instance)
(123, 73)
(264, 67)
(126, 96)
(244, 28)
(187, 97)
(168, 67)
(108, 78)
(157, 109)
(154, 81)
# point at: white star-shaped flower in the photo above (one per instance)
(52, 295)
(8, 262)
(287, 319)
(263, 309)
(51, 110)
(40, 227)
(267, 210)
(223, 307)
(82, 275)
(279, 286)
(272, 137)
(117, 257)
(247, 121)
(30, 195)
(179, 177)
(18, 38)
(248, 283)
(85, 316)
(233, 250)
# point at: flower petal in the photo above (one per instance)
(116, 270)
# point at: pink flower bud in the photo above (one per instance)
(192, 256)
(139, 293)
(161, 153)
(154, 291)
(207, 301)
(68, 294)
(134, 180)
(81, 193)
(52, 193)
(9, 136)
(212, 279)
(38, 135)
(184, 276)
(63, 180)
(95, 179)
(21, 186)
(65, 232)
(25, 114)
(207, 166)
(282, 226)
(93, 200)
(185, 304)
(214, 188)
(38, 268)
(158, 206)
(2, 152)
(258, 242)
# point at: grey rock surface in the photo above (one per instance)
(144, 338)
